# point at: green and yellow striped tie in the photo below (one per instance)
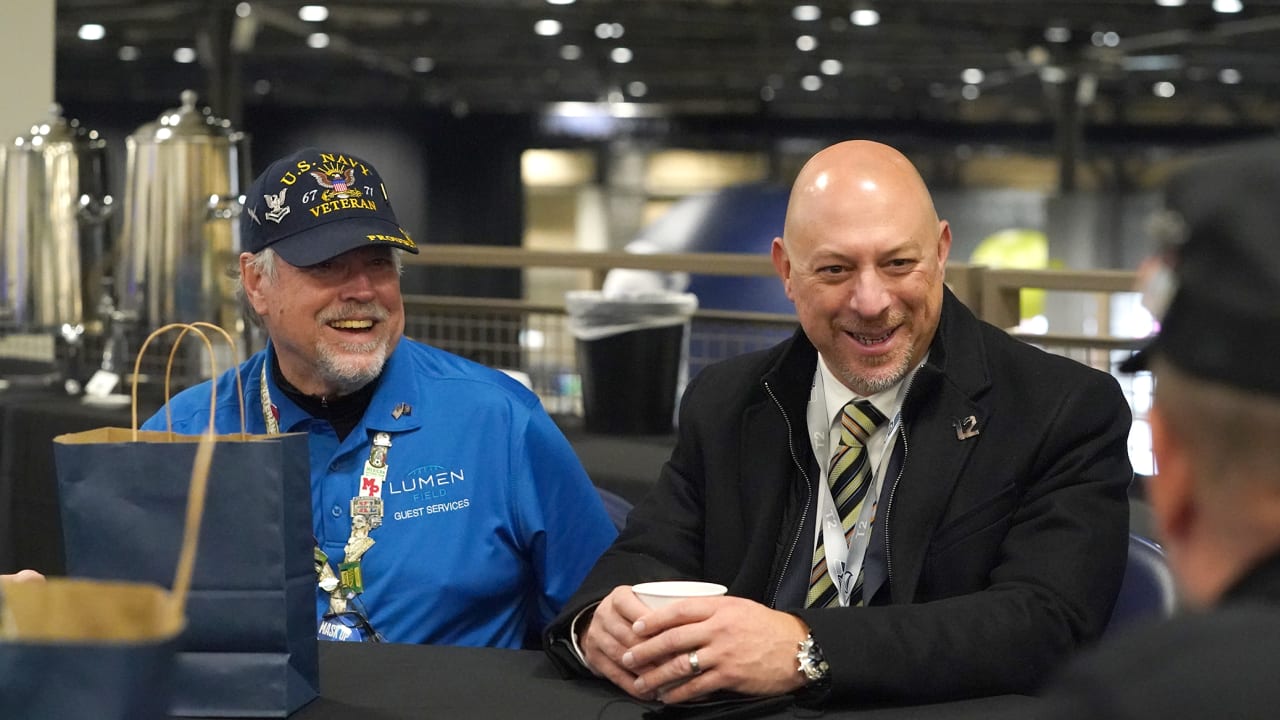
(849, 478)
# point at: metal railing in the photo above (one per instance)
(532, 338)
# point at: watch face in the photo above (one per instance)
(812, 664)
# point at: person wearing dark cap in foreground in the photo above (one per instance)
(469, 515)
(1215, 431)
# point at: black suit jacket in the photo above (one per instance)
(1004, 551)
(1215, 664)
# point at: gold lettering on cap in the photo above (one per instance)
(325, 208)
(377, 237)
(344, 161)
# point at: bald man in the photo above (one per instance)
(975, 539)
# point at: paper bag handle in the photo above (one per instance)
(200, 467)
(195, 514)
(168, 372)
(168, 368)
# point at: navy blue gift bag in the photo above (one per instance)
(72, 648)
(249, 649)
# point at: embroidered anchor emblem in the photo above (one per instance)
(965, 427)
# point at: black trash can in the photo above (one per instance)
(632, 354)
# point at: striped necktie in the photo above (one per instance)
(849, 477)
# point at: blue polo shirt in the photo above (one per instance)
(490, 522)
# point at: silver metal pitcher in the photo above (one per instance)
(184, 174)
(56, 248)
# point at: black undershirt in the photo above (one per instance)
(343, 412)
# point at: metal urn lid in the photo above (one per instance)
(56, 128)
(186, 122)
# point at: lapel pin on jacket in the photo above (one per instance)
(402, 409)
(965, 427)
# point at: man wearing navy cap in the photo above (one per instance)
(456, 509)
(1215, 427)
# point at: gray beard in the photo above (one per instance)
(867, 387)
(346, 375)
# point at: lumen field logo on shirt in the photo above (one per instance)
(428, 490)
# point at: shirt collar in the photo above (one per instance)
(888, 401)
(399, 386)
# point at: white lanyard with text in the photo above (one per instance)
(366, 514)
(844, 558)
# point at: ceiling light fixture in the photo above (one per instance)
(831, 66)
(604, 31)
(807, 43)
(184, 55)
(621, 55)
(560, 2)
(129, 53)
(973, 76)
(812, 83)
(1057, 34)
(319, 40)
(970, 92)
(1227, 6)
(313, 13)
(864, 18)
(570, 52)
(547, 27)
(1163, 89)
(1229, 76)
(1109, 38)
(1053, 74)
(423, 64)
(806, 13)
(91, 32)
(637, 88)
(244, 10)
(1171, 3)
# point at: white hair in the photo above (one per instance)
(263, 262)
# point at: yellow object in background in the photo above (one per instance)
(1021, 249)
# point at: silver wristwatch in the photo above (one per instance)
(812, 665)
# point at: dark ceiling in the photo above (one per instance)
(719, 58)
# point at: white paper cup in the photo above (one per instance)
(664, 592)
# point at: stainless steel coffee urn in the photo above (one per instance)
(52, 213)
(179, 235)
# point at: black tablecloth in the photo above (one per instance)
(30, 524)
(391, 682)
(625, 464)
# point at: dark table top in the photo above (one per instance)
(390, 682)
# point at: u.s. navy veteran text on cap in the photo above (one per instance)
(314, 205)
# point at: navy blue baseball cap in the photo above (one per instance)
(1222, 321)
(315, 205)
